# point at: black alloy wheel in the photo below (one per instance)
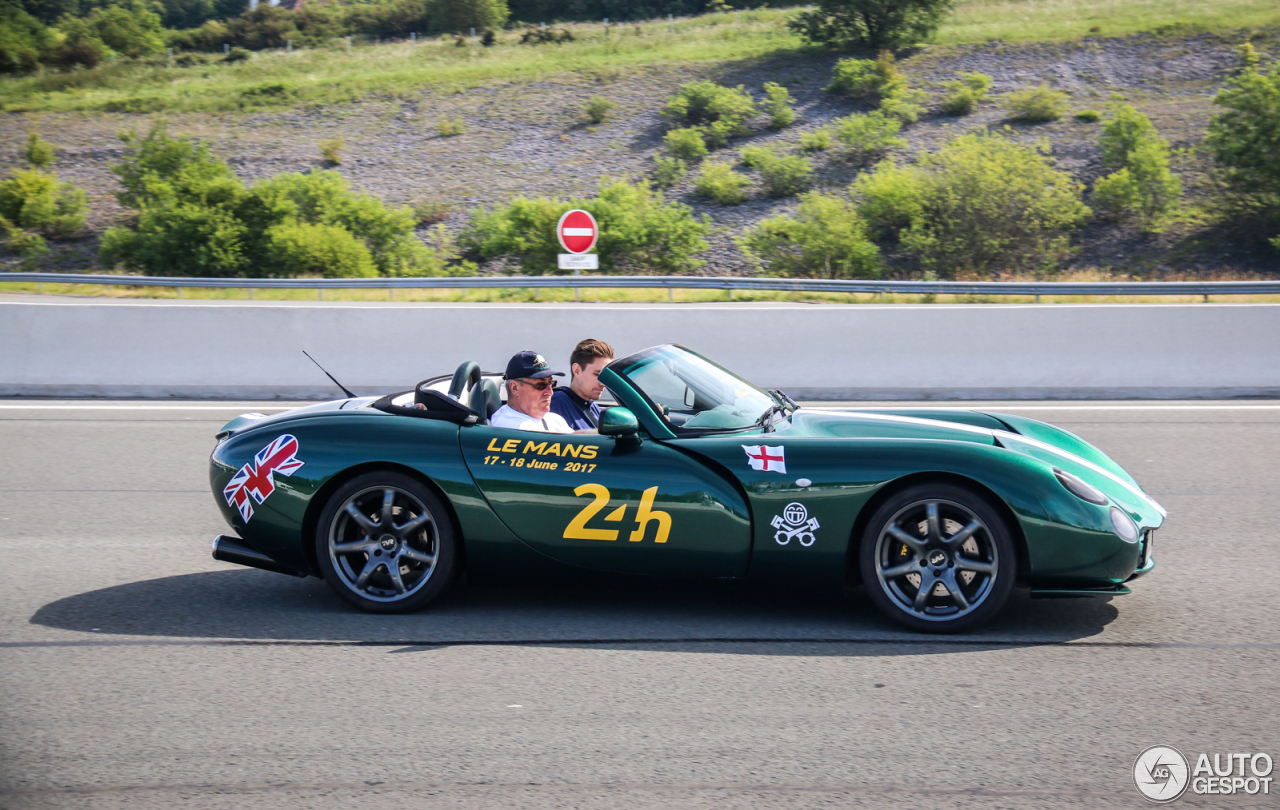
(938, 558)
(385, 543)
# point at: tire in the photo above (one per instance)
(947, 542)
(379, 519)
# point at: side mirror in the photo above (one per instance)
(619, 423)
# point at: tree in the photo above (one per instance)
(23, 38)
(1244, 140)
(870, 24)
(1143, 186)
(133, 30)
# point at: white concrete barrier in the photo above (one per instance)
(69, 347)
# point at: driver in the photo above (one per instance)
(530, 385)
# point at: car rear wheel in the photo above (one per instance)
(938, 558)
(385, 544)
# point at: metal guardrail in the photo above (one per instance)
(1036, 288)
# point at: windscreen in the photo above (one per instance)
(693, 392)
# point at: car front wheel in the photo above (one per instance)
(385, 543)
(938, 558)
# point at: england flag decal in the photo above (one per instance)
(765, 458)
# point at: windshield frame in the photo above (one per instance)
(617, 365)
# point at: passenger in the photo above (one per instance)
(578, 404)
(529, 389)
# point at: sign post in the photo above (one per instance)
(578, 234)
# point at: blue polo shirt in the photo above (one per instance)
(578, 412)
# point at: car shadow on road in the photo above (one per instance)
(247, 605)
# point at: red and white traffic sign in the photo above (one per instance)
(577, 231)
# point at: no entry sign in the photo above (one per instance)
(577, 231)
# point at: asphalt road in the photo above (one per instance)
(135, 671)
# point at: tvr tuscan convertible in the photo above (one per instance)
(695, 473)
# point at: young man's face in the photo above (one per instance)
(586, 380)
(530, 397)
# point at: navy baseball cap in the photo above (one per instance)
(530, 366)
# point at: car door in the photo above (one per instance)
(611, 504)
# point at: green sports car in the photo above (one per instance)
(695, 473)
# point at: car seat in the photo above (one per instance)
(486, 399)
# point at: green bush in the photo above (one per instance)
(819, 140)
(890, 197)
(598, 108)
(331, 150)
(865, 78)
(23, 40)
(781, 175)
(314, 249)
(237, 55)
(777, 104)
(23, 243)
(866, 137)
(992, 204)
(721, 111)
(1244, 140)
(1037, 105)
(721, 183)
(1123, 132)
(1088, 116)
(640, 232)
(825, 239)
(686, 143)
(79, 46)
(34, 200)
(668, 171)
(449, 127)
(966, 93)
(429, 210)
(194, 217)
(862, 24)
(1143, 187)
(39, 152)
(904, 104)
(129, 28)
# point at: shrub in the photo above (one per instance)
(781, 175)
(598, 108)
(903, 104)
(488, 38)
(668, 171)
(721, 111)
(1143, 187)
(194, 217)
(331, 150)
(1037, 105)
(966, 93)
(237, 55)
(449, 127)
(825, 239)
(686, 143)
(130, 28)
(890, 197)
(857, 24)
(190, 60)
(535, 35)
(868, 136)
(721, 183)
(991, 203)
(38, 152)
(865, 78)
(23, 243)
(34, 200)
(1088, 116)
(23, 39)
(777, 104)
(819, 140)
(1244, 140)
(80, 45)
(315, 249)
(429, 210)
(640, 232)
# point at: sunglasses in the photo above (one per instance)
(541, 385)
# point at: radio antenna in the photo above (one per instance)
(330, 376)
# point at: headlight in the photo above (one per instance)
(1124, 525)
(1080, 488)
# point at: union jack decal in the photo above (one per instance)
(256, 480)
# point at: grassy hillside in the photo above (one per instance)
(320, 76)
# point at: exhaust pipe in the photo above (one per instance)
(227, 548)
